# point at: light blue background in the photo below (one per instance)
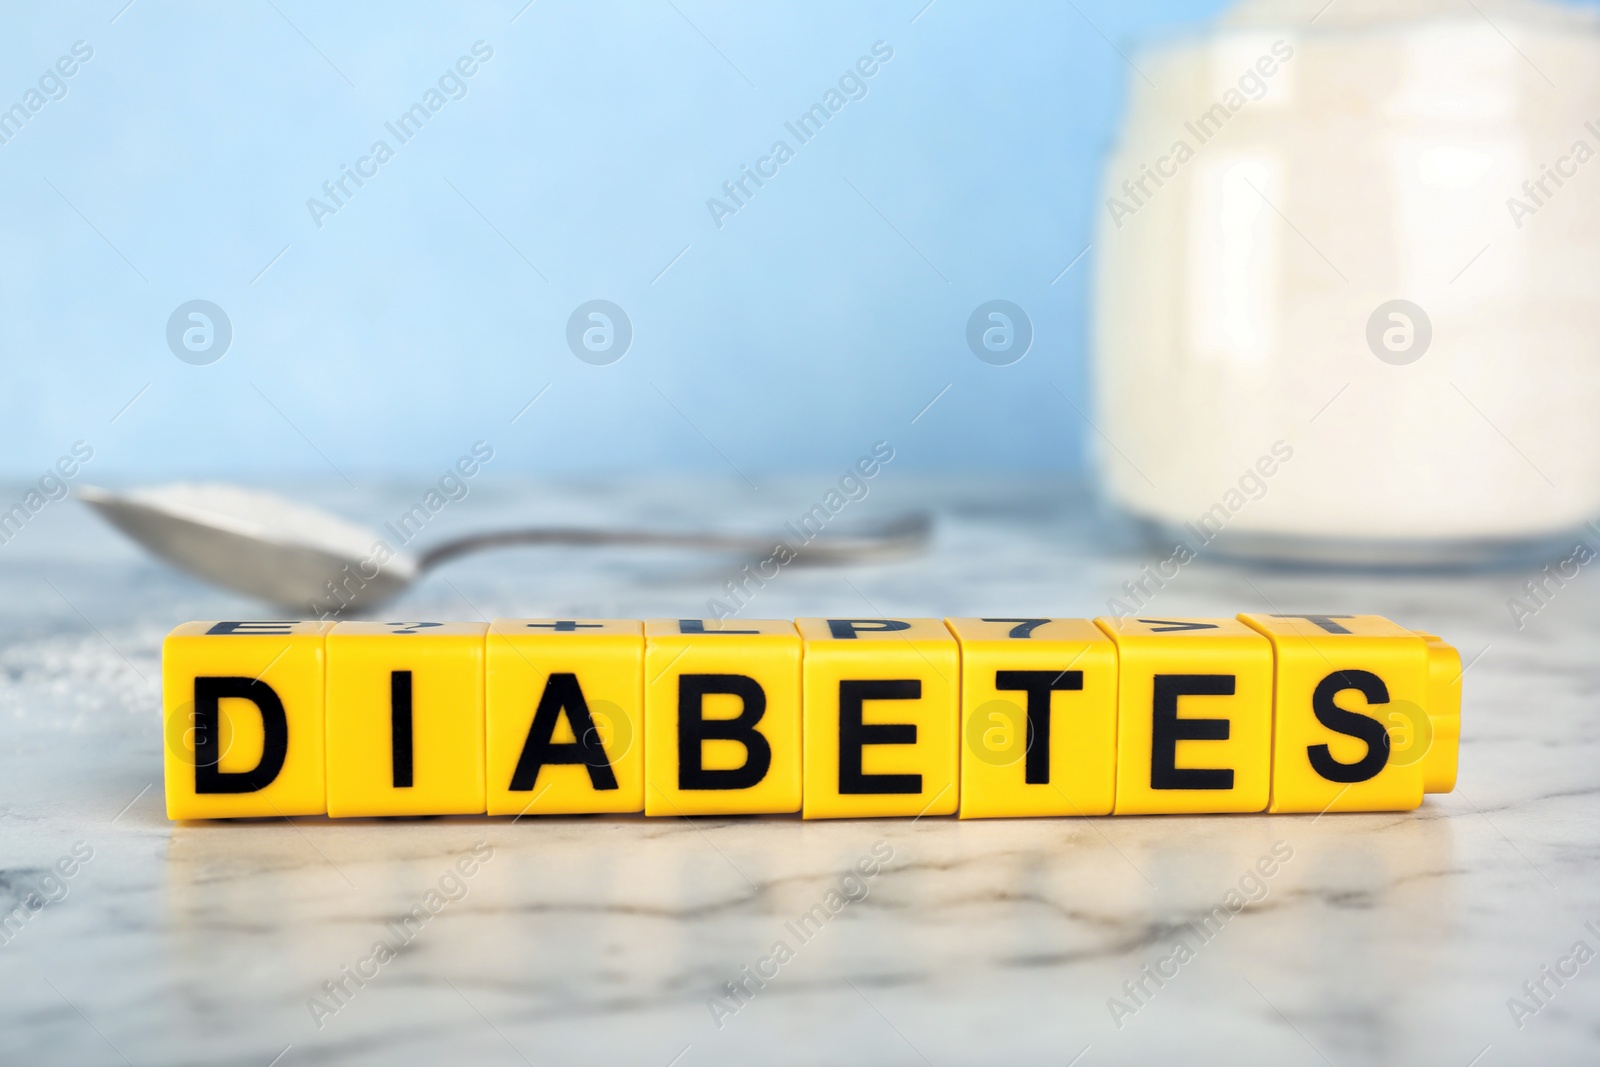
(406, 328)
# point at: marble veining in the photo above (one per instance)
(1378, 939)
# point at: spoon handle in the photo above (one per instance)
(903, 536)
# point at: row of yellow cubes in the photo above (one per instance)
(829, 717)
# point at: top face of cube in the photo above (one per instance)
(659, 628)
(566, 627)
(252, 628)
(915, 630)
(1005, 631)
(1148, 626)
(1326, 625)
(407, 629)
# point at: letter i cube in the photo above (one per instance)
(881, 703)
(565, 716)
(242, 708)
(722, 717)
(1194, 715)
(405, 718)
(1038, 717)
(1368, 713)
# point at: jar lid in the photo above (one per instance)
(1369, 14)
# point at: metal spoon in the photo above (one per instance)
(301, 557)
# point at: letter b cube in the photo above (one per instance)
(722, 717)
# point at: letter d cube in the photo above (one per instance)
(243, 713)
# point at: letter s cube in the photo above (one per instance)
(1366, 713)
(243, 713)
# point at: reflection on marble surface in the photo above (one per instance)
(1376, 939)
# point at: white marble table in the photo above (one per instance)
(1384, 939)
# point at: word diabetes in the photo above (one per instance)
(832, 718)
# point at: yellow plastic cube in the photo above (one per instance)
(242, 708)
(1365, 716)
(1039, 717)
(1441, 761)
(1194, 715)
(405, 718)
(880, 709)
(565, 716)
(722, 716)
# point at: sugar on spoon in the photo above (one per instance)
(263, 545)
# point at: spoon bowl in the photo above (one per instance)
(253, 542)
(260, 544)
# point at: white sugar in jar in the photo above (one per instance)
(1348, 290)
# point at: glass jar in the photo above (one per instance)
(1348, 282)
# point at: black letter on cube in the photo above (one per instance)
(1023, 630)
(854, 734)
(1351, 724)
(1166, 730)
(1324, 621)
(208, 696)
(694, 728)
(400, 729)
(698, 626)
(1038, 685)
(846, 629)
(254, 626)
(562, 692)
